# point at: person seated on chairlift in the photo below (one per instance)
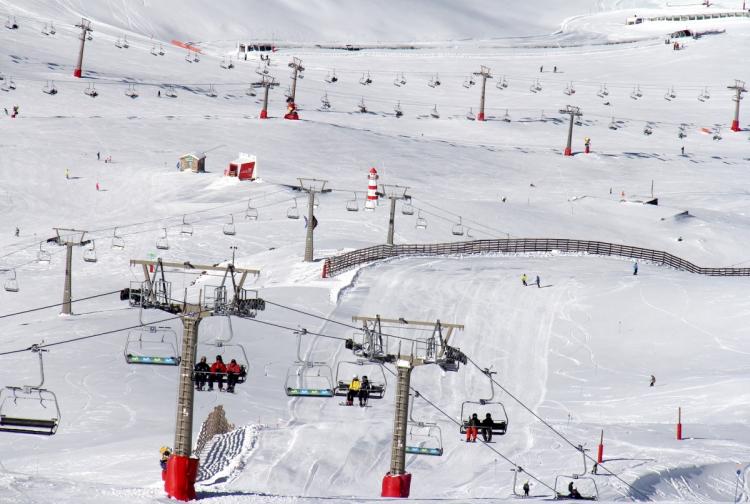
(487, 424)
(218, 370)
(233, 373)
(201, 374)
(354, 388)
(471, 428)
(573, 492)
(364, 392)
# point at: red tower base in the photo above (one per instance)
(679, 432)
(480, 116)
(180, 481)
(568, 152)
(293, 116)
(600, 454)
(396, 485)
(326, 265)
(264, 114)
(735, 126)
(77, 73)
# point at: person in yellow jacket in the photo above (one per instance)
(165, 452)
(354, 387)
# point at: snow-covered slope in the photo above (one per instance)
(578, 352)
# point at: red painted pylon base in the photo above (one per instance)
(180, 479)
(264, 114)
(396, 485)
(679, 432)
(600, 454)
(568, 152)
(480, 116)
(736, 126)
(77, 73)
(326, 266)
(292, 116)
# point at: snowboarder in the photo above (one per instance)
(201, 373)
(233, 373)
(524, 280)
(165, 452)
(526, 488)
(538, 282)
(354, 386)
(472, 428)
(18, 231)
(487, 428)
(364, 392)
(98, 156)
(652, 382)
(218, 370)
(635, 268)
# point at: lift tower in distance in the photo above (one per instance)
(226, 299)
(485, 74)
(406, 353)
(85, 26)
(739, 88)
(573, 112)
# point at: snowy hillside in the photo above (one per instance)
(577, 353)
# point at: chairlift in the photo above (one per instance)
(324, 103)
(250, 91)
(227, 350)
(434, 112)
(42, 255)
(189, 56)
(288, 93)
(361, 106)
(352, 205)
(331, 78)
(229, 228)
(293, 211)
(562, 490)
(170, 92)
(407, 208)
(118, 242)
(648, 130)
(186, 228)
(11, 23)
(251, 213)
(397, 110)
(397, 81)
(89, 253)
(361, 367)
(365, 80)
(163, 243)
(261, 69)
(458, 229)
(422, 438)
(717, 134)
(155, 345)
(569, 89)
(118, 43)
(421, 221)
(227, 65)
(506, 117)
(470, 114)
(91, 91)
(672, 93)
(308, 378)
(211, 93)
(8, 85)
(431, 83)
(196, 59)
(613, 124)
(131, 92)
(125, 43)
(30, 409)
(49, 88)
(89, 36)
(161, 50)
(705, 95)
(45, 30)
(11, 284)
(466, 83)
(494, 408)
(153, 51)
(501, 83)
(402, 80)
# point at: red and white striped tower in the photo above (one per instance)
(372, 190)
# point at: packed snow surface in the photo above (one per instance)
(577, 352)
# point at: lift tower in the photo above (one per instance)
(85, 26)
(739, 88)
(484, 73)
(573, 112)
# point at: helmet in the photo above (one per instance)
(355, 377)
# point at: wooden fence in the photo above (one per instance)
(337, 264)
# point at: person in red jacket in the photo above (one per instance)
(233, 372)
(218, 370)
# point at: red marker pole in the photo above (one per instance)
(679, 424)
(600, 453)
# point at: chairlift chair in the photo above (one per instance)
(324, 103)
(186, 228)
(563, 491)
(91, 91)
(331, 77)
(11, 284)
(397, 110)
(196, 58)
(223, 64)
(667, 96)
(569, 89)
(251, 213)
(353, 204)
(717, 134)
(470, 114)
(361, 106)
(672, 93)
(361, 367)
(397, 81)
(89, 36)
(293, 211)
(431, 82)
(365, 80)
(153, 51)
(45, 31)
(422, 438)
(309, 379)
(30, 409)
(189, 57)
(163, 243)
(155, 345)
(458, 229)
(161, 50)
(407, 208)
(648, 130)
(118, 242)
(89, 253)
(211, 93)
(228, 351)
(42, 255)
(170, 92)
(434, 112)
(402, 80)
(466, 83)
(612, 124)
(131, 92)
(118, 43)
(11, 23)
(494, 408)
(250, 91)
(125, 43)
(705, 95)
(506, 117)
(229, 228)
(421, 222)
(49, 88)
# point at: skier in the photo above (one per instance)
(594, 468)
(538, 282)
(354, 388)
(635, 268)
(587, 144)
(158, 93)
(471, 428)
(541, 69)
(218, 370)
(67, 173)
(364, 392)
(682, 150)
(233, 373)
(97, 186)
(526, 488)
(487, 428)
(15, 112)
(653, 381)
(201, 373)
(555, 69)
(524, 280)
(165, 452)
(18, 231)
(98, 156)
